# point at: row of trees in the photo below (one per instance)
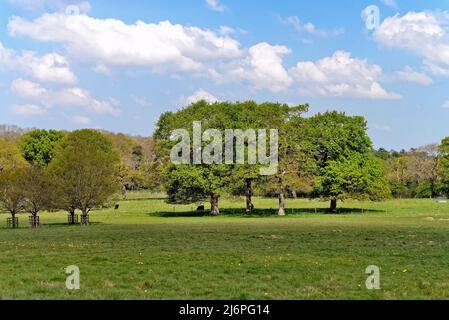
(58, 171)
(417, 173)
(328, 155)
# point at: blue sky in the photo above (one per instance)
(118, 65)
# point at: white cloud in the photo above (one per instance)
(409, 75)
(28, 110)
(215, 5)
(224, 30)
(74, 97)
(422, 33)
(436, 69)
(102, 69)
(263, 68)
(446, 104)
(81, 120)
(6, 56)
(390, 3)
(160, 46)
(341, 75)
(199, 95)
(51, 67)
(310, 28)
(28, 89)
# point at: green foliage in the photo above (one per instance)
(222, 116)
(341, 148)
(10, 156)
(443, 166)
(12, 190)
(333, 135)
(357, 176)
(186, 184)
(412, 174)
(38, 146)
(38, 189)
(85, 171)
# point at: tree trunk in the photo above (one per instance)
(214, 210)
(294, 194)
(249, 195)
(72, 214)
(333, 208)
(85, 218)
(34, 221)
(282, 202)
(14, 226)
(123, 193)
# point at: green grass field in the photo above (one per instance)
(151, 250)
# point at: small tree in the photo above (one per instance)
(358, 176)
(12, 196)
(341, 147)
(85, 169)
(37, 191)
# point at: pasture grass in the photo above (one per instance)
(151, 250)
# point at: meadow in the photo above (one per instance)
(151, 250)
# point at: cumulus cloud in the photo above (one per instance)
(422, 33)
(215, 5)
(74, 97)
(409, 75)
(28, 110)
(28, 89)
(102, 69)
(436, 69)
(263, 67)
(160, 46)
(51, 67)
(199, 95)
(341, 75)
(164, 46)
(6, 56)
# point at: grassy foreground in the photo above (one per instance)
(143, 251)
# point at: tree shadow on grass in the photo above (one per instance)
(258, 213)
(144, 199)
(51, 225)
